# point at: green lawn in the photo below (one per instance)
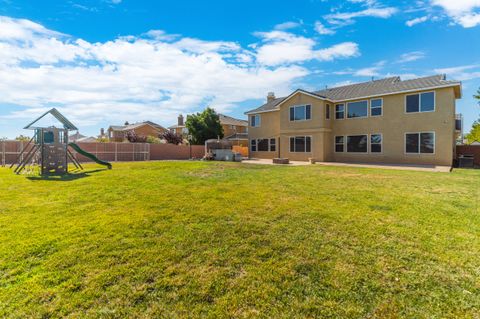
(195, 239)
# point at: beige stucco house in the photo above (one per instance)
(381, 121)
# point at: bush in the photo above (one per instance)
(153, 140)
(172, 138)
(132, 137)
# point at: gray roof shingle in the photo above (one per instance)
(372, 88)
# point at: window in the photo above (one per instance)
(357, 109)
(339, 111)
(357, 143)
(272, 145)
(262, 145)
(255, 120)
(339, 144)
(327, 111)
(420, 143)
(376, 106)
(253, 145)
(376, 143)
(423, 102)
(300, 144)
(48, 137)
(300, 113)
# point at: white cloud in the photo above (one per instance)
(287, 25)
(461, 73)
(463, 12)
(411, 56)
(281, 47)
(344, 18)
(321, 29)
(149, 77)
(412, 22)
(364, 72)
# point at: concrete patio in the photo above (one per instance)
(404, 167)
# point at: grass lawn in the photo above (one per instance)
(194, 239)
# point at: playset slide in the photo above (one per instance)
(89, 155)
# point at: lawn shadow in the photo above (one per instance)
(67, 177)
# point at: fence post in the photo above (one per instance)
(3, 153)
(148, 152)
(21, 151)
(116, 152)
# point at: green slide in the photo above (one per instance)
(89, 155)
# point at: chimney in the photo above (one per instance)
(102, 132)
(180, 120)
(270, 97)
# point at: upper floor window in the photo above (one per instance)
(339, 111)
(327, 111)
(357, 109)
(255, 120)
(300, 112)
(423, 102)
(376, 106)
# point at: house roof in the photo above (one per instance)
(228, 120)
(56, 114)
(391, 85)
(224, 120)
(133, 126)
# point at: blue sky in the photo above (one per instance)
(105, 62)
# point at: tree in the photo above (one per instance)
(474, 134)
(171, 137)
(132, 137)
(22, 138)
(204, 126)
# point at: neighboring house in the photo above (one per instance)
(382, 121)
(234, 130)
(117, 133)
(75, 137)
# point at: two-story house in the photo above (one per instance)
(234, 130)
(381, 121)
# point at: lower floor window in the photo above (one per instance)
(272, 145)
(253, 145)
(300, 144)
(357, 143)
(376, 143)
(339, 144)
(420, 143)
(262, 145)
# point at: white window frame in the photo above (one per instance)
(344, 111)
(358, 117)
(270, 144)
(419, 144)
(335, 144)
(258, 120)
(420, 102)
(370, 144)
(297, 106)
(305, 136)
(362, 153)
(252, 146)
(376, 107)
